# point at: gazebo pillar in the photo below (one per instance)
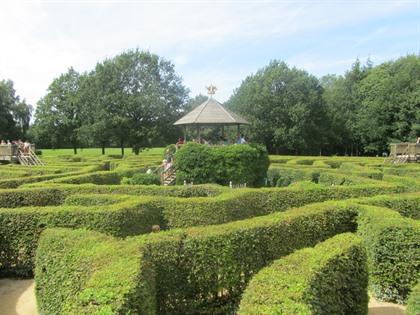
(198, 134)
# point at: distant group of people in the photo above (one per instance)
(24, 147)
(222, 141)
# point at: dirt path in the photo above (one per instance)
(383, 308)
(17, 297)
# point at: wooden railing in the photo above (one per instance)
(404, 152)
(28, 158)
(168, 176)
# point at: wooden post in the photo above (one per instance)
(185, 133)
(198, 134)
(239, 132)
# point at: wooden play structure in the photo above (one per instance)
(405, 152)
(13, 153)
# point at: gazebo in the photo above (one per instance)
(210, 113)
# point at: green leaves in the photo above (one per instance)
(237, 163)
(285, 108)
(14, 113)
(330, 278)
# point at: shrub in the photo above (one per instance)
(413, 303)
(394, 257)
(284, 180)
(408, 205)
(21, 227)
(13, 198)
(98, 178)
(330, 278)
(245, 203)
(332, 179)
(237, 163)
(205, 269)
(81, 272)
(305, 162)
(54, 194)
(87, 200)
(142, 179)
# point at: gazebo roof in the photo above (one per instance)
(211, 112)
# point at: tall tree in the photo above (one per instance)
(285, 108)
(390, 104)
(15, 114)
(139, 98)
(59, 115)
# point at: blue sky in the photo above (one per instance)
(219, 42)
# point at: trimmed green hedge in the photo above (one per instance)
(200, 270)
(21, 227)
(237, 163)
(57, 175)
(54, 194)
(142, 179)
(331, 278)
(245, 203)
(408, 205)
(14, 198)
(392, 244)
(205, 269)
(98, 178)
(87, 200)
(413, 303)
(81, 272)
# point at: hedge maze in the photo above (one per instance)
(320, 235)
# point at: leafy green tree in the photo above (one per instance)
(285, 108)
(139, 97)
(59, 115)
(342, 103)
(15, 114)
(390, 104)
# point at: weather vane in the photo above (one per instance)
(211, 90)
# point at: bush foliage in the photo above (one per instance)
(212, 239)
(142, 179)
(330, 278)
(205, 269)
(237, 163)
(392, 244)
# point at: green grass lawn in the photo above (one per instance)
(97, 151)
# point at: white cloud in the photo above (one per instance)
(40, 40)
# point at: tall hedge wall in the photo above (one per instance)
(201, 270)
(408, 205)
(331, 278)
(22, 226)
(392, 244)
(206, 269)
(54, 194)
(81, 272)
(237, 163)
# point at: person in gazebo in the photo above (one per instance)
(179, 143)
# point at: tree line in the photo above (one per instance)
(15, 114)
(133, 99)
(360, 112)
